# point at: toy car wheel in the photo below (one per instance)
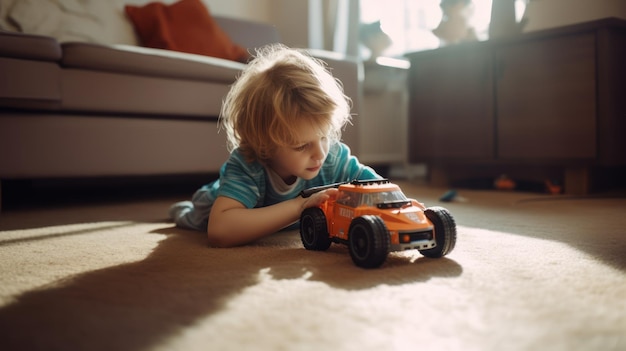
(368, 241)
(313, 230)
(445, 232)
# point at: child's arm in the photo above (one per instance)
(233, 224)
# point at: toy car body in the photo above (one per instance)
(373, 218)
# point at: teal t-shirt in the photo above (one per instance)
(255, 186)
(250, 184)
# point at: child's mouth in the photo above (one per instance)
(314, 169)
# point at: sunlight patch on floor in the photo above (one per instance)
(511, 289)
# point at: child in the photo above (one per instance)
(283, 119)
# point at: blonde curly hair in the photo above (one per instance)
(280, 88)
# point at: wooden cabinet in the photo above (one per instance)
(546, 98)
(451, 105)
(553, 98)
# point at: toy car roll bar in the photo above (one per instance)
(310, 191)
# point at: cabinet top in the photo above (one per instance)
(590, 26)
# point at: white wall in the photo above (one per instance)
(291, 18)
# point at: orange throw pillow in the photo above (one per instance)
(186, 26)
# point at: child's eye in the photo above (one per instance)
(301, 147)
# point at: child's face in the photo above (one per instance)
(304, 159)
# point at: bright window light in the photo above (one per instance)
(409, 23)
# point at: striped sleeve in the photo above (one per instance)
(242, 181)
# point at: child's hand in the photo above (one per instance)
(319, 197)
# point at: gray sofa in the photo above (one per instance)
(78, 109)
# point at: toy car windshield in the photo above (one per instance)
(381, 199)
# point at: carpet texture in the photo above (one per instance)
(529, 272)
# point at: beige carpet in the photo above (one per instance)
(529, 272)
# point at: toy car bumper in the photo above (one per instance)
(414, 240)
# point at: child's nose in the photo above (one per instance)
(318, 151)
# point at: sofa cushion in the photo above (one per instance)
(5, 22)
(96, 92)
(134, 60)
(185, 26)
(94, 21)
(29, 47)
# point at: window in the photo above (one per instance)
(409, 23)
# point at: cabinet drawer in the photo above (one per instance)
(451, 105)
(546, 98)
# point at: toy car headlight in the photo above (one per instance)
(412, 216)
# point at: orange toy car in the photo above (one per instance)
(374, 217)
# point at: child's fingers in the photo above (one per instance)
(331, 192)
(318, 198)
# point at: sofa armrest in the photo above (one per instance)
(29, 46)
